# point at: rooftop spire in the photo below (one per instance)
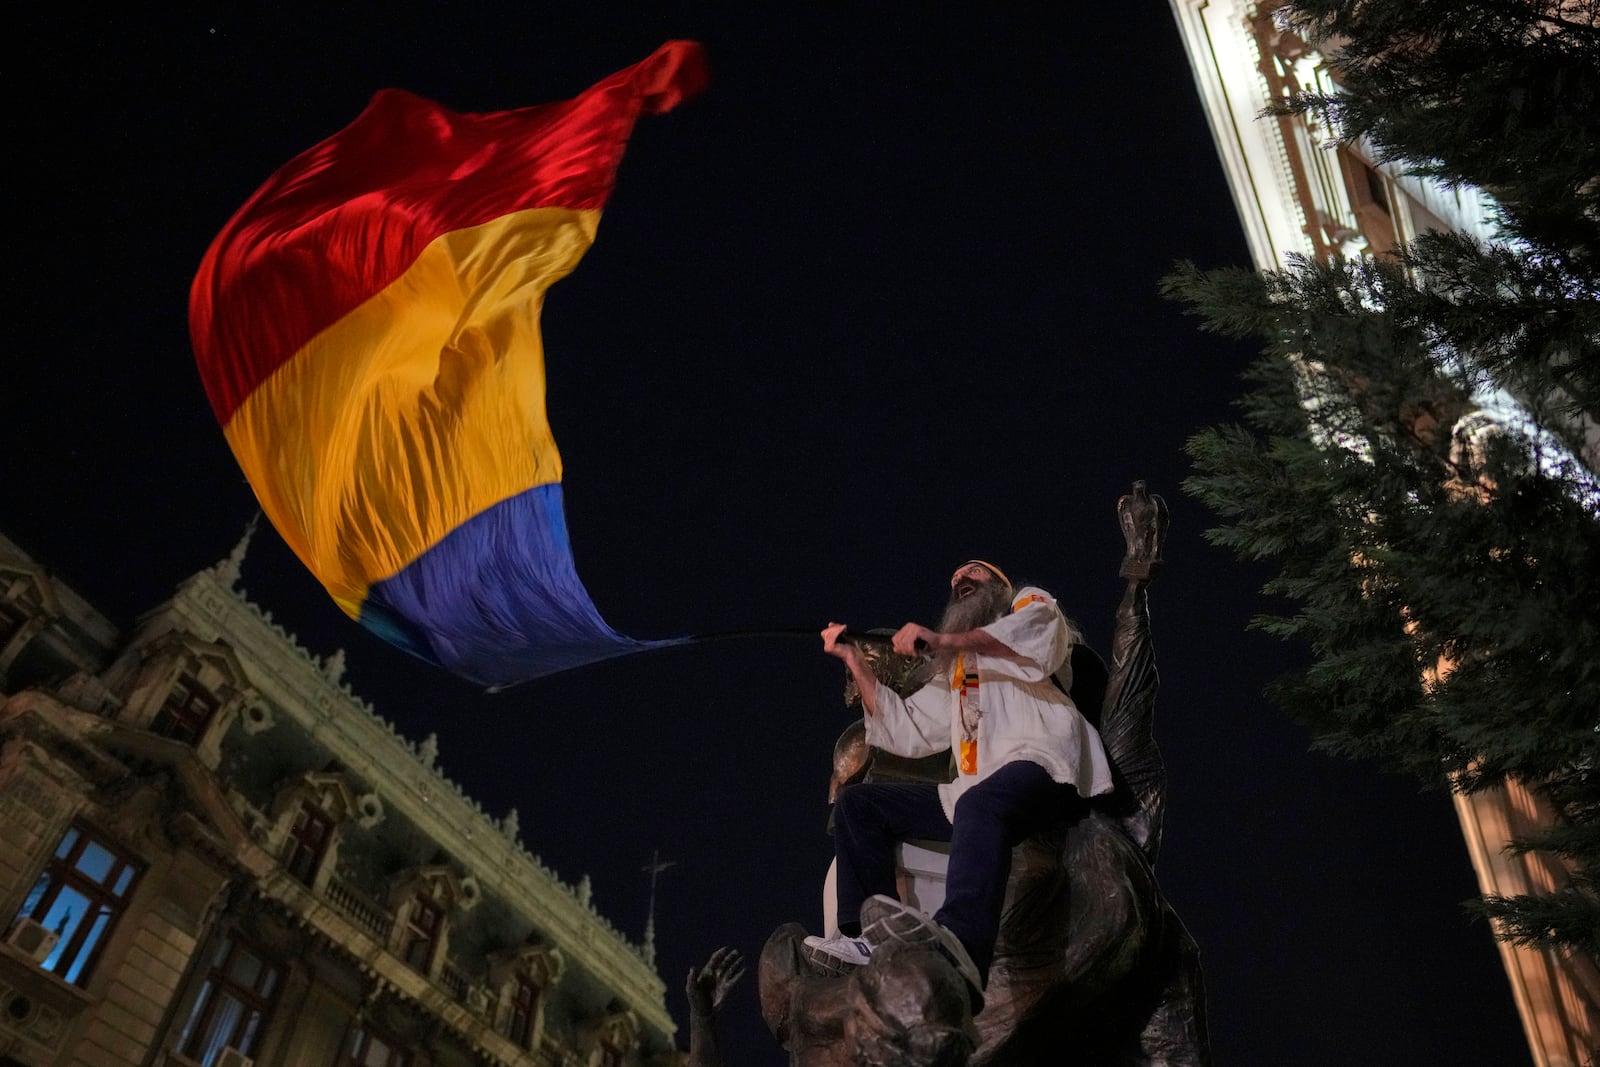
(653, 869)
(229, 568)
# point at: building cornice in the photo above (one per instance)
(1254, 155)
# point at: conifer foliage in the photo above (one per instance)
(1437, 550)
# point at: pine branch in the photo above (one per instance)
(1569, 919)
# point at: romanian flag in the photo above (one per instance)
(367, 330)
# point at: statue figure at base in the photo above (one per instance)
(1088, 963)
(706, 988)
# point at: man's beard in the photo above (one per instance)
(986, 603)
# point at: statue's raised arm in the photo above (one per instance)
(1127, 723)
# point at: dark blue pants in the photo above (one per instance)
(992, 818)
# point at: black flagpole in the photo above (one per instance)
(851, 637)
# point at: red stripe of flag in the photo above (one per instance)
(344, 219)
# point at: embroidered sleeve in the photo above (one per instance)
(1036, 632)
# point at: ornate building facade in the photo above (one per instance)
(213, 854)
(1298, 190)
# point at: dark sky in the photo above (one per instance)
(882, 299)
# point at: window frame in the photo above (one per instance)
(417, 934)
(298, 850)
(68, 960)
(519, 1024)
(14, 618)
(176, 721)
(216, 979)
(360, 1044)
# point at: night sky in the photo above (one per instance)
(882, 299)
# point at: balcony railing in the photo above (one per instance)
(373, 918)
(454, 982)
(378, 921)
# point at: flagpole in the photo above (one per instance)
(858, 638)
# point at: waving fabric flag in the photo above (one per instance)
(367, 330)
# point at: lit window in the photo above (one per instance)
(308, 840)
(422, 930)
(368, 1049)
(187, 712)
(78, 897)
(234, 1004)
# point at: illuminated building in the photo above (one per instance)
(212, 853)
(1300, 191)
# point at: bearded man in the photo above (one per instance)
(1026, 759)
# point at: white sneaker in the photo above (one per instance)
(851, 950)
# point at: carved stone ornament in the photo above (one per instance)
(255, 718)
(439, 883)
(619, 1029)
(542, 964)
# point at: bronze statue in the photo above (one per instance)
(707, 987)
(1091, 966)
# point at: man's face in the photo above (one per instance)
(965, 582)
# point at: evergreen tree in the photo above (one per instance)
(1440, 558)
